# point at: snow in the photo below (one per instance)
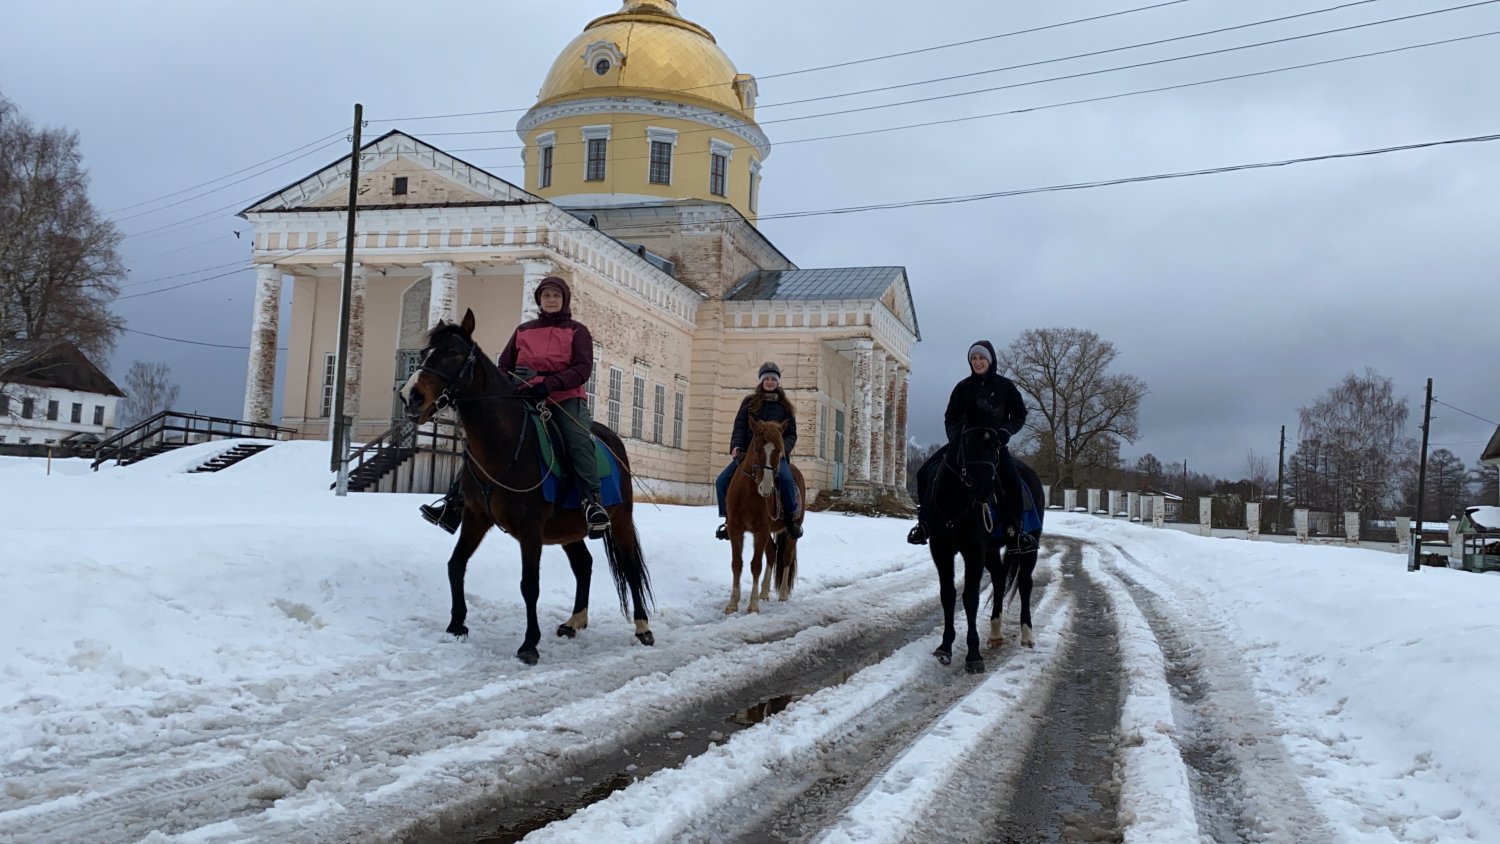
(1485, 516)
(243, 656)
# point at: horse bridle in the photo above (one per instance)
(446, 399)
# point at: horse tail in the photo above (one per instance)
(627, 565)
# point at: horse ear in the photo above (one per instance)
(468, 324)
(784, 424)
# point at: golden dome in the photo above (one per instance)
(646, 46)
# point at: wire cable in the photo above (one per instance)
(1464, 412)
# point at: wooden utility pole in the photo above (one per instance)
(1415, 563)
(1280, 476)
(340, 424)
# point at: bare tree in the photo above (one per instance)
(149, 389)
(1353, 447)
(1258, 473)
(1447, 485)
(1150, 469)
(59, 261)
(1084, 409)
(1484, 485)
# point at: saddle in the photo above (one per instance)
(551, 451)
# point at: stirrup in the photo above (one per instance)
(596, 518)
(443, 514)
(917, 535)
(722, 531)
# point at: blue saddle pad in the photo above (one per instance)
(609, 481)
(1031, 521)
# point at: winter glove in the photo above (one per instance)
(536, 391)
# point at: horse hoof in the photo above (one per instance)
(974, 666)
(527, 655)
(994, 643)
(646, 638)
(944, 656)
(457, 629)
(731, 609)
(1029, 644)
(566, 631)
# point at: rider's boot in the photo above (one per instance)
(789, 514)
(447, 512)
(722, 531)
(917, 535)
(595, 516)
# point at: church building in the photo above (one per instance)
(643, 175)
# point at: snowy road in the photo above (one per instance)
(243, 658)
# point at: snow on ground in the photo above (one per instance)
(249, 635)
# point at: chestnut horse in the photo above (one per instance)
(502, 485)
(752, 506)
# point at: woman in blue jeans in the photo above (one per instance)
(768, 403)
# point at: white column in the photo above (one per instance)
(1133, 505)
(903, 379)
(1403, 534)
(444, 302)
(1252, 519)
(860, 410)
(1205, 516)
(1046, 496)
(877, 416)
(1093, 501)
(1070, 500)
(1455, 544)
(534, 270)
(895, 453)
(1114, 503)
(1158, 510)
(355, 362)
(1351, 527)
(1299, 523)
(265, 320)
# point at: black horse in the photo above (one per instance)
(957, 484)
(502, 485)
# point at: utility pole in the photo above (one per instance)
(1414, 564)
(340, 424)
(1280, 476)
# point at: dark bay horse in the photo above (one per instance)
(957, 523)
(752, 506)
(502, 485)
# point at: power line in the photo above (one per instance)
(213, 239)
(896, 86)
(1029, 83)
(220, 178)
(1086, 100)
(227, 185)
(1465, 412)
(850, 63)
(192, 342)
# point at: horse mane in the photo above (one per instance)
(758, 400)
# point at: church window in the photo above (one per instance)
(638, 409)
(659, 418)
(678, 401)
(598, 149)
(330, 368)
(546, 178)
(616, 386)
(718, 174)
(398, 186)
(661, 163)
(754, 185)
(602, 66)
(77, 412)
(596, 152)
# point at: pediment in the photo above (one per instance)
(432, 176)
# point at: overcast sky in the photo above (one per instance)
(1238, 298)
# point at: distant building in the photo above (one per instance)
(49, 391)
(1491, 454)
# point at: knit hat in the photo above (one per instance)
(984, 348)
(770, 368)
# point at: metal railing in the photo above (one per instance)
(408, 458)
(170, 428)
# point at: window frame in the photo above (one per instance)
(612, 404)
(330, 379)
(679, 402)
(638, 407)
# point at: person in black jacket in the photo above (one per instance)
(976, 400)
(768, 403)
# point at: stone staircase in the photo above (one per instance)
(231, 457)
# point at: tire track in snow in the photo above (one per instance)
(1244, 786)
(350, 743)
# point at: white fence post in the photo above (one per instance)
(1158, 510)
(1351, 527)
(1205, 516)
(1093, 501)
(1455, 544)
(1133, 505)
(1252, 519)
(1403, 534)
(1070, 499)
(1299, 523)
(1046, 496)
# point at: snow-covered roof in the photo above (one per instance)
(1485, 518)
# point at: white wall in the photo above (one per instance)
(39, 429)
